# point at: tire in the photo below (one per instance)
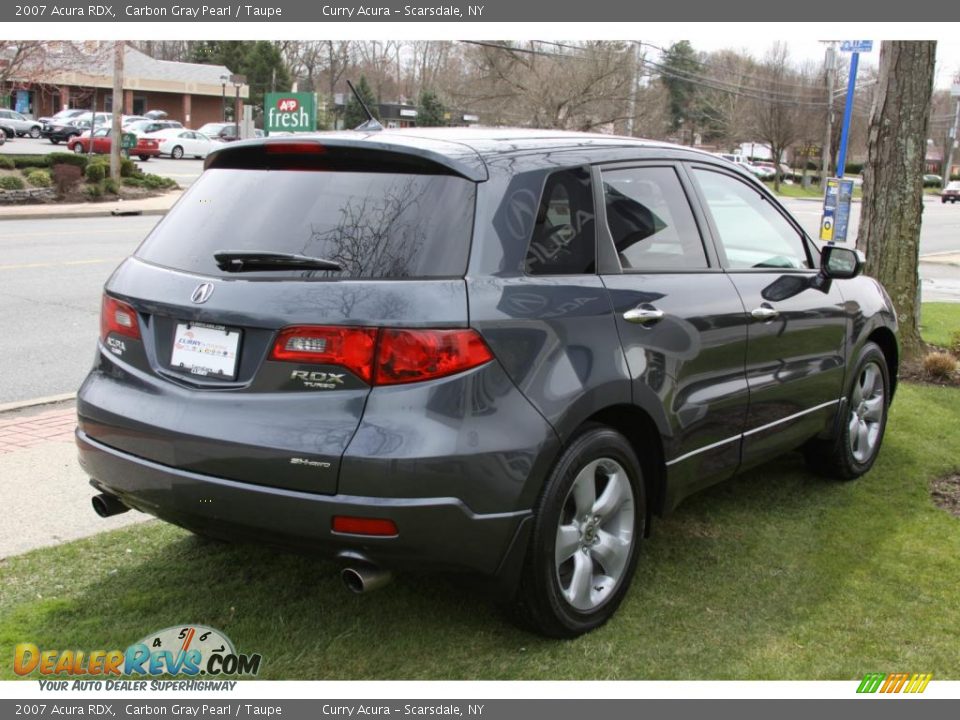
(860, 435)
(563, 597)
(78, 149)
(177, 153)
(144, 158)
(34, 132)
(54, 141)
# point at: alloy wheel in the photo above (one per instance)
(595, 534)
(866, 412)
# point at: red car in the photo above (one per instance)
(146, 147)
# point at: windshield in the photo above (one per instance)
(374, 225)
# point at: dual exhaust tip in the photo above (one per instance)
(360, 578)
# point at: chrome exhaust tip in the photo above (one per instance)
(107, 505)
(365, 578)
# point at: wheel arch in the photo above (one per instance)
(642, 433)
(887, 341)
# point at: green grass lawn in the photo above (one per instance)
(777, 574)
(796, 190)
(938, 321)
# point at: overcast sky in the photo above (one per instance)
(948, 51)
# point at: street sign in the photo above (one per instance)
(128, 141)
(836, 210)
(807, 151)
(856, 46)
(290, 112)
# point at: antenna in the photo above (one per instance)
(372, 124)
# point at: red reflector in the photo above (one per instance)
(406, 356)
(294, 148)
(347, 347)
(364, 526)
(117, 317)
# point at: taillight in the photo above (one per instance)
(405, 356)
(364, 526)
(347, 347)
(118, 317)
(389, 356)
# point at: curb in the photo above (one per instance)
(36, 402)
(114, 212)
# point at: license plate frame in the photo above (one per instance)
(206, 350)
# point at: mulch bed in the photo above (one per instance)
(945, 492)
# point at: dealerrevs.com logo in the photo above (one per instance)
(190, 650)
(894, 682)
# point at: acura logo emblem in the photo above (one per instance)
(202, 293)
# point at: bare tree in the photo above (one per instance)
(581, 86)
(777, 117)
(893, 178)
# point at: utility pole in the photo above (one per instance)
(955, 93)
(116, 138)
(637, 70)
(830, 65)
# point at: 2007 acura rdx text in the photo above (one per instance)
(498, 351)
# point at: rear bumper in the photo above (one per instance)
(434, 533)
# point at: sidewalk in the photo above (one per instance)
(45, 495)
(158, 205)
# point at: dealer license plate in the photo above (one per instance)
(206, 350)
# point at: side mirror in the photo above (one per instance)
(841, 263)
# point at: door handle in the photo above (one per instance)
(764, 312)
(643, 316)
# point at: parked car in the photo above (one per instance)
(225, 132)
(61, 116)
(64, 130)
(147, 126)
(932, 180)
(951, 193)
(21, 124)
(102, 140)
(435, 349)
(180, 142)
(741, 160)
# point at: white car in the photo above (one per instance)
(181, 142)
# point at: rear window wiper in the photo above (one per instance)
(251, 260)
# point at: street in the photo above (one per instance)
(184, 171)
(52, 273)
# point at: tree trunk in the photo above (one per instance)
(893, 178)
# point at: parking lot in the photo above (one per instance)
(184, 171)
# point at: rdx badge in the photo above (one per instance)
(318, 380)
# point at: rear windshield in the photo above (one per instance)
(375, 225)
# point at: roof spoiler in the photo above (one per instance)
(362, 154)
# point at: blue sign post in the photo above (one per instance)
(856, 47)
(838, 192)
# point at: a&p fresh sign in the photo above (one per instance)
(290, 112)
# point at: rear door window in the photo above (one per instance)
(375, 225)
(650, 220)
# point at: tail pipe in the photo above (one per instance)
(107, 505)
(363, 578)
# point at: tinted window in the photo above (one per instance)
(650, 220)
(753, 234)
(376, 225)
(564, 237)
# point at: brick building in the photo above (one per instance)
(80, 75)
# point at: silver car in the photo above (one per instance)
(21, 124)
